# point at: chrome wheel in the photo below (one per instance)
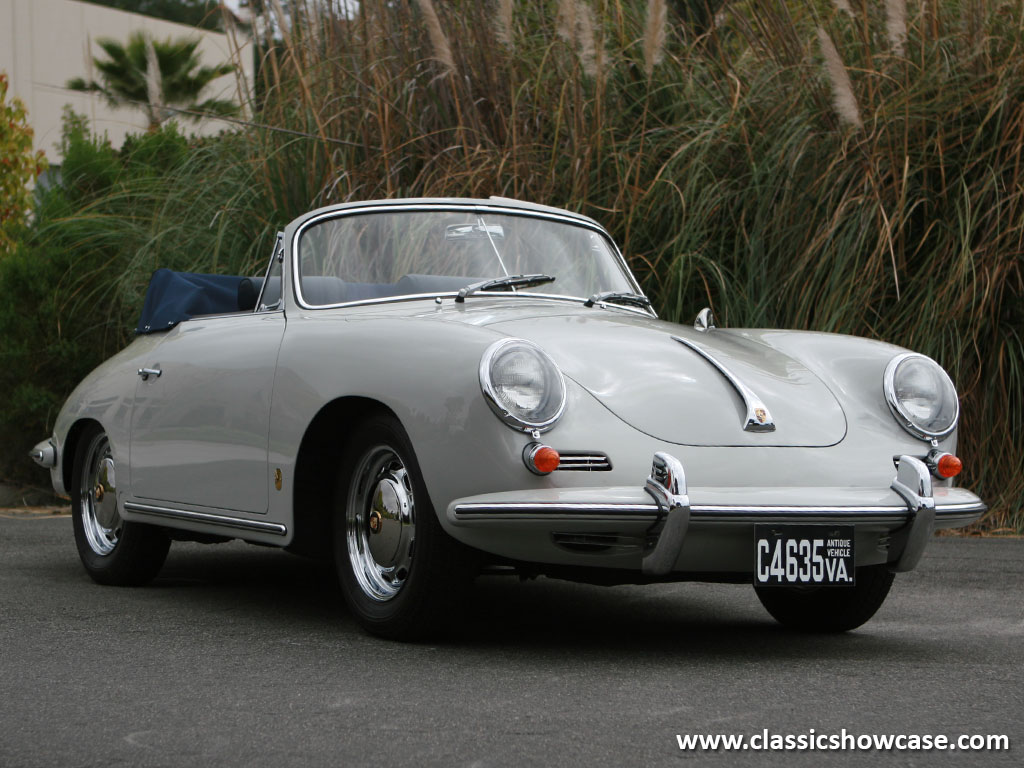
(380, 523)
(97, 496)
(400, 573)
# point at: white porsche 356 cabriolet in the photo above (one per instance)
(424, 388)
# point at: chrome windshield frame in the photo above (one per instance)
(452, 207)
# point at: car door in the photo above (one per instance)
(200, 427)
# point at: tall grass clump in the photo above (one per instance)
(843, 167)
(828, 165)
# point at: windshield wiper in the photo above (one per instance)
(504, 283)
(619, 297)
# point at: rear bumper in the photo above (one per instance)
(622, 527)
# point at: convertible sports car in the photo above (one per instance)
(424, 389)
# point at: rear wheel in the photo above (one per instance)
(112, 550)
(402, 576)
(829, 609)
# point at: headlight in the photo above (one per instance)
(522, 385)
(921, 396)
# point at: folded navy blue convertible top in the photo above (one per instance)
(176, 296)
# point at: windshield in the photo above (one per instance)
(401, 253)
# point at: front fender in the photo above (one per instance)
(426, 372)
(105, 395)
(853, 368)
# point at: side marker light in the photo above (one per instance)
(540, 459)
(948, 465)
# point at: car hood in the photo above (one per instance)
(632, 365)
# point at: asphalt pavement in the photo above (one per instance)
(242, 655)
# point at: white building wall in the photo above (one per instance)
(45, 43)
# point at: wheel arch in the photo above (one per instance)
(71, 447)
(316, 469)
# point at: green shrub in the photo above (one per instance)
(74, 286)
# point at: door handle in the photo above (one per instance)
(145, 373)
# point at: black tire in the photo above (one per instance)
(112, 550)
(829, 609)
(402, 576)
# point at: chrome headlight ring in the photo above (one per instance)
(522, 385)
(927, 408)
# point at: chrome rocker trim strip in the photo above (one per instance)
(257, 526)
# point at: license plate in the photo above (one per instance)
(810, 555)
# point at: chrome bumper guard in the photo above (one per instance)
(914, 485)
(667, 485)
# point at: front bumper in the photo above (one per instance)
(665, 527)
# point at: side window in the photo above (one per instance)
(270, 298)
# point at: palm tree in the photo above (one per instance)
(153, 76)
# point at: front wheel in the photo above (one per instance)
(402, 576)
(112, 550)
(829, 609)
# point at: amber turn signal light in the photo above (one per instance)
(948, 465)
(541, 459)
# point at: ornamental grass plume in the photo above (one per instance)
(654, 34)
(503, 29)
(577, 25)
(896, 24)
(438, 39)
(566, 20)
(843, 98)
(591, 55)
